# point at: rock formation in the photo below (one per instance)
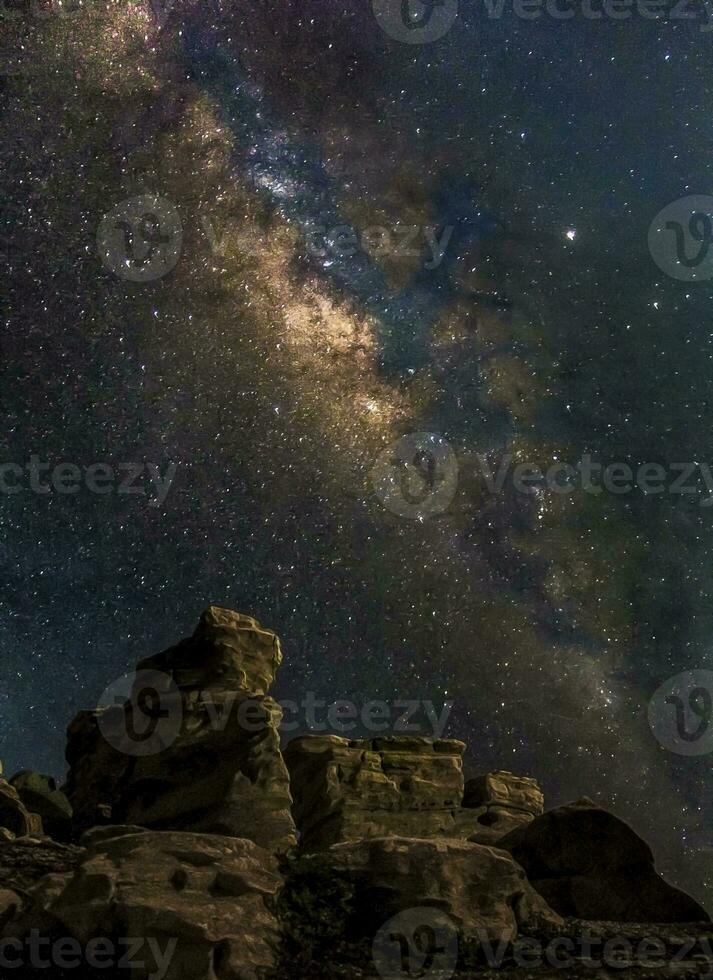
(502, 802)
(198, 903)
(217, 767)
(481, 889)
(41, 796)
(15, 819)
(348, 789)
(26, 861)
(589, 864)
(179, 808)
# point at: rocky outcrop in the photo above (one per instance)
(589, 864)
(41, 796)
(395, 847)
(501, 802)
(484, 893)
(397, 906)
(26, 861)
(228, 651)
(505, 790)
(15, 819)
(214, 764)
(348, 789)
(199, 905)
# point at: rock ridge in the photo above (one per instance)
(184, 824)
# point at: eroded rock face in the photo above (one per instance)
(504, 789)
(482, 890)
(25, 861)
(589, 864)
(346, 789)
(41, 796)
(10, 905)
(228, 650)
(15, 818)
(388, 828)
(225, 780)
(203, 901)
(502, 802)
(216, 765)
(96, 770)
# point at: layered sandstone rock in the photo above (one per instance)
(190, 763)
(15, 818)
(589, 864)
(346, 789)
(502, 802)
(199, 905)
(196, 745)
(26, 861)
(482, 891)
(228, 651)
(505, 790)
(40, 795)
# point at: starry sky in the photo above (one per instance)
(273, 375)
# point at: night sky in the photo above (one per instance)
(273, 375)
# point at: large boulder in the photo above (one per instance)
(198, 905)
(230, 779)
(347, 789)
(213, 763)
(228, 650)
(501, 802)
(41, 796)
(480, 890)
(504, 789)
(15, 818)
(589, 864)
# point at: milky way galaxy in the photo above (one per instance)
(363, 241)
